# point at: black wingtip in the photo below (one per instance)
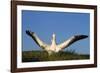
(78, 37)
(83, 36)
(29, 32)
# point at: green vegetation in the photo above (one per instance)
(35, 56)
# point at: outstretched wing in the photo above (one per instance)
(36, 39)
(71, 41)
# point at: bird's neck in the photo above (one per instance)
(54, 41)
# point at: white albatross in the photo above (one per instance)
(54, 48)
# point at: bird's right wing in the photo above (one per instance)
(36, 39)
(71, 41)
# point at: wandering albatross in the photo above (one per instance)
(54, 48)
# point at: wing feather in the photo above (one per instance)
(71, 41)
(36, 39)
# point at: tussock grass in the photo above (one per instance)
(36, 56)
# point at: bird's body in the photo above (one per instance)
(54, 48)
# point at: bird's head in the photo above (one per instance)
(53, 37)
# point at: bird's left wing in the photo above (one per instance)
(71, 41)
(36, 39)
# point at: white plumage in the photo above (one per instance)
(54, 47)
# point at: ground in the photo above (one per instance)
(36, 56)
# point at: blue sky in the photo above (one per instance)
(63, 24)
